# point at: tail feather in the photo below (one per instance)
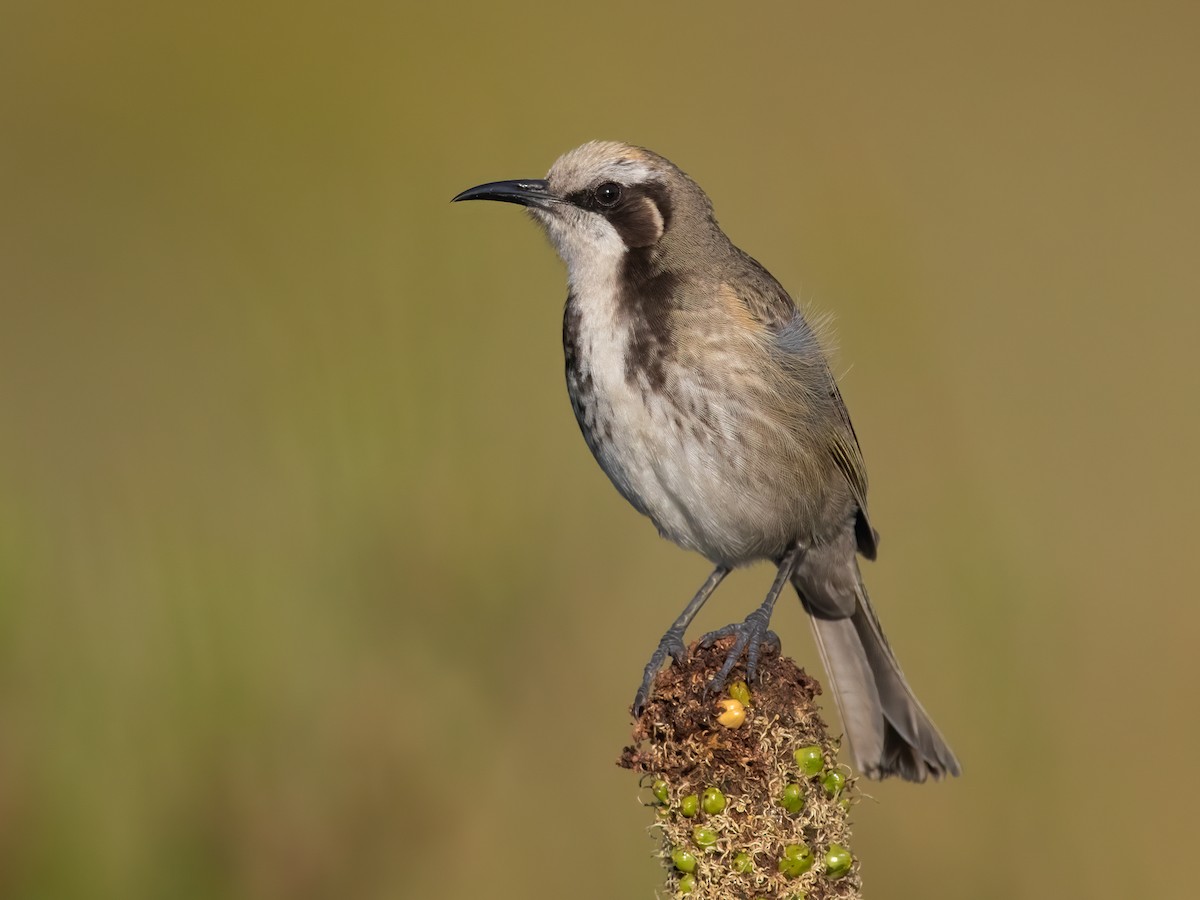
(889, 731)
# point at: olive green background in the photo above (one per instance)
(308, 585)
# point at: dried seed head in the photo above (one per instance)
(739, 845)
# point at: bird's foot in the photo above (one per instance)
(752, 635)
(671, 645)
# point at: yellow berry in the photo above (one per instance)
(733, 713)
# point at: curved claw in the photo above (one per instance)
(752, 634)
(671, 645)
(769, 639)
(713, 636)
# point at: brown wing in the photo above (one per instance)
(848, 456)
(766, 301)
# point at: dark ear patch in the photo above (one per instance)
(638, 222)
(640, 216)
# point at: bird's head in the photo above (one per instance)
(605, 199)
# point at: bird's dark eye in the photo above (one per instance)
(608, 194)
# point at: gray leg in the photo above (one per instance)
(672, 642)
(754, 631)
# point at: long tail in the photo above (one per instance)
(890, 733)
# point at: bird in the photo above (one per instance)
(707, 398)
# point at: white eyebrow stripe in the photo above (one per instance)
(634, 171)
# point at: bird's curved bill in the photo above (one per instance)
(528, 192)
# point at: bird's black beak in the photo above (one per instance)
(527, 192)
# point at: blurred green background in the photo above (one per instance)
(308, 585)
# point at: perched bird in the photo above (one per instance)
(708, 400)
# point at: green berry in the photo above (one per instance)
(689, 805)
(704, 836)
(743, 863)
(661, 791)
(838, 861)
(792, 798)
(713, 801)
(796, 860)
(810, 760)
(844, 803)
(687, 884)
(685, 860)
(833, 782)
(740, 691)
